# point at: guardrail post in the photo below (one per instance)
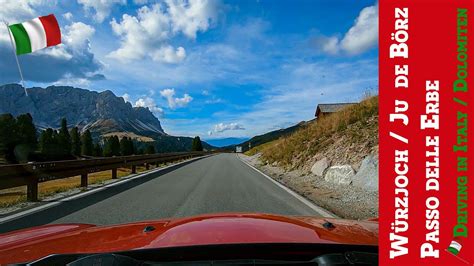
(114, 173)
(84, 180)
(134, 169)
(32, 191)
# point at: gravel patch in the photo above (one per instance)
(346, 201)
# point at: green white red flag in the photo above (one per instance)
(35, 34)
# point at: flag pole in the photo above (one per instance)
(16, 57)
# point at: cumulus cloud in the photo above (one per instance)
(16, 11)
(174, 102)
(221, 127)
(68, 15)
(362, 36)
(77, 35)
(149, 103)
(148, 33)
(102, 8)
(126, 97)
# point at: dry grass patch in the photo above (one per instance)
(11, 196)
(355, 124)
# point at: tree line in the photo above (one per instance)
(19, 142)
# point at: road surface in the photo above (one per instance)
(219, 183)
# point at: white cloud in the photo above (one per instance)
(126, 97)
(77, 35)
(148, 33)
(16, 11)
(362, 36)
(192, 16)
(68, 15)
(149, 103)
(173, 102)
(221, 127)
(102, 8)
(168, 54)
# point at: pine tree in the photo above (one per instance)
(45, 139)
(75, 141)
(26, 140)
(115, 146)
(107, 152)
(150, 149)
(197, 144)
(26, 130)
(64, 139)
(87, 145)
(98, 150)
(126, 146)
(7, 136)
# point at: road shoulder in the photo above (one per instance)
(344, 202)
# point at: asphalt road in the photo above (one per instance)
(220, 183)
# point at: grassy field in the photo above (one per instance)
(9, 197)
(259, 148)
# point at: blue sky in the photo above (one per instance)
(211, 68)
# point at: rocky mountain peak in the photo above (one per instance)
(101, 112)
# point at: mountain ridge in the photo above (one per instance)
(100, 112)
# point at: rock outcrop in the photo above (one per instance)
(320, 166)
(368, 175)
(339, 174)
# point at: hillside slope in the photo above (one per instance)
(346, 137)
(267, 137)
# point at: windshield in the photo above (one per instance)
(140, 123)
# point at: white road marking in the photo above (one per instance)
(92, 191)
(323, 212)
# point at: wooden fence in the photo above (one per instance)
(31, 174)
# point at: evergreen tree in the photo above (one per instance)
(26, 140)
(87, 145)
(115, 146)
(75, 141)
(98, 150)
(26, 130)
(47, 143)
(7, 136)
(107, 152)
(197, 144)
(150, 149)
(112, 146)
(64, 139)
(126, 146)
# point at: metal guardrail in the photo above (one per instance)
(31, 174)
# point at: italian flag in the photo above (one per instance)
(455, 246)
(35, 34)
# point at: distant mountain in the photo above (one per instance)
(267, 137)
(102, 113)
(225, 141)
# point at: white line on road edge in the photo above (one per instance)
(323, 212)
(92, 191)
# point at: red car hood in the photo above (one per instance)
(36, 242)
